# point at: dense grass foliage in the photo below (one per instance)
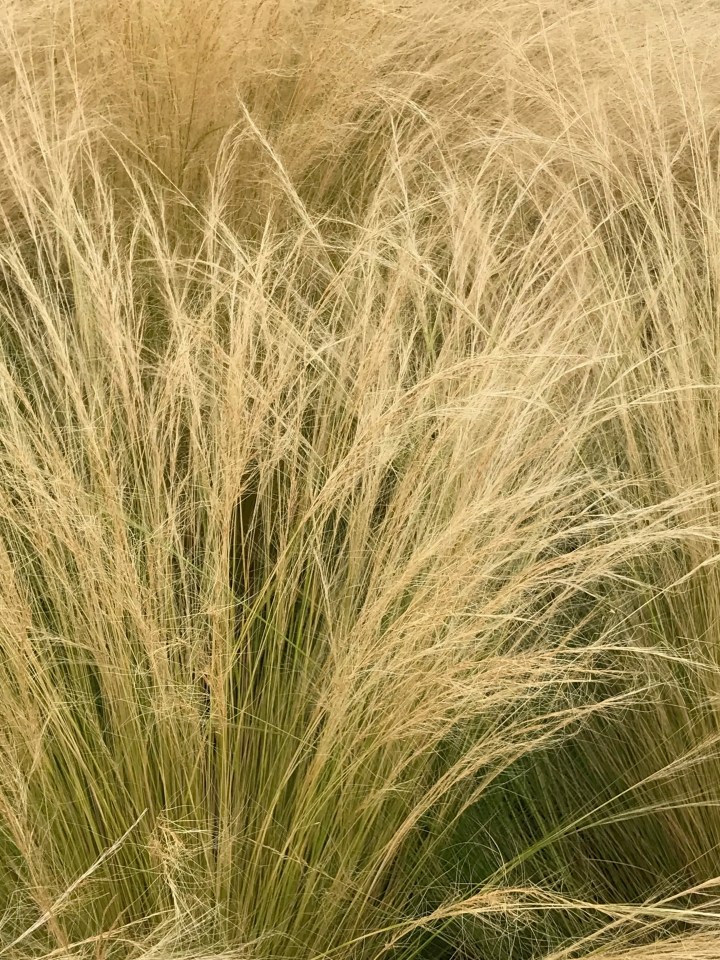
(359, 480)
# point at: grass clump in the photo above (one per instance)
(359, 480)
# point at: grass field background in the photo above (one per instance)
(359, 480)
